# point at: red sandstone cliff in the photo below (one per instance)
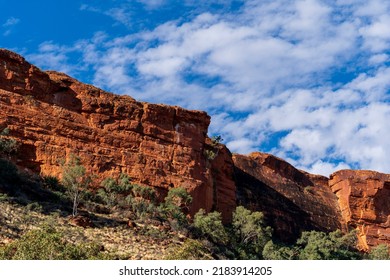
(364, 199)
(291, 200)
(53, 115)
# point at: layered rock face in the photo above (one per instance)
(54, 116)
(364, 199)
(294, 201)
(291, 200)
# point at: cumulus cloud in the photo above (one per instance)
(307, 80)
(52, 56)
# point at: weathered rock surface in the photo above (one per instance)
(54, 115)
(364, 199)
(291, 200)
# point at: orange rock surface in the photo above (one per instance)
(54, 116)
(364, 199)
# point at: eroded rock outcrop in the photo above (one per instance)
(364, 199)
(54, 115)
(292, 200)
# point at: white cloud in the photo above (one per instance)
(120, 14)
(153, 4)
(8, 24)
(54, 57)
(11, 21)
(327, 168)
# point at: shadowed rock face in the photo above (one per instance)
(292, 200)
(53, 116)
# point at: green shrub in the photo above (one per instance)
(34, 206)
(8, 145)
(216, 140)
(178, 197)
(144, 192)
(316, 245)
(272, 251)
(210, 226)
(251, 232)
(52, 183)
(122, 185)
(114, 191)
(380, 252)
(175, 207)
(75, 180)
(49, 244)
(210, 154)
(190, 250)
(107, 198)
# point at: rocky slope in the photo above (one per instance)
(53, 116)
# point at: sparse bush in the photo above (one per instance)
(8, 145)
(75, 180)
(210, 226)
(107, 198)
(216, 140)
(190, 250)
(272, 251)
(49, 244)
(4, 197)
(308, 190)
(114, 191)
(380, 252)
(210, 154)
(34, 206)
(175, 207)
(120, 186)
(142, 202)
(251, 233)
(316, 245)
(52, 183)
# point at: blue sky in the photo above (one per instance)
(306, 80)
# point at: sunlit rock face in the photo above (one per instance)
(364, 199)
(54, 116)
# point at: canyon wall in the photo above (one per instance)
(53, 116)
(364, 199)
(291, 200)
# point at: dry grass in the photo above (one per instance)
(117, 238)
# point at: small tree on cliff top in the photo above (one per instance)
(75, 180)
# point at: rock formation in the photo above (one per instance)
(53, 116)
(291, 200)
(364, 199)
